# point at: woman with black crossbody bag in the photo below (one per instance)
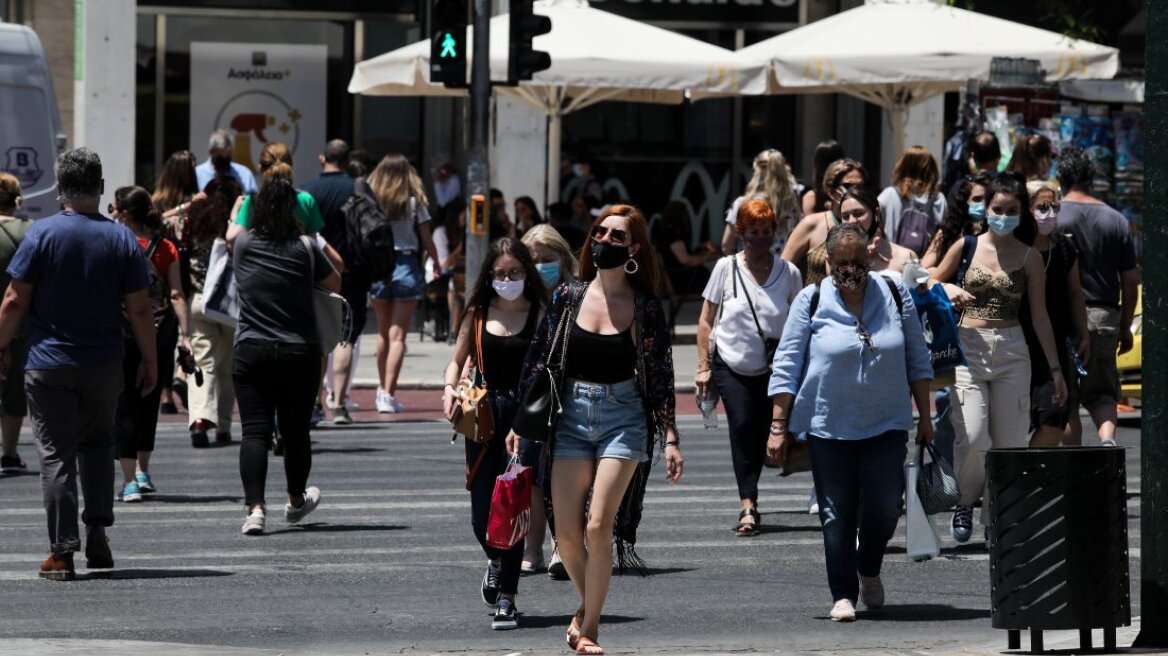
(745, 309)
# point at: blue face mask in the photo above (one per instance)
(977, 211)
(550, 272)
(1003, 224)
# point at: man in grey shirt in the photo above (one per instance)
(70, 277)
(1111, 278)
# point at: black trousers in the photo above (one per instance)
(137, 415)
(275, 382)
(483, 489)
(748, 417)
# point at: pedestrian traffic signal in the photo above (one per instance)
(524, 62)
(448, 43)
(479, 215)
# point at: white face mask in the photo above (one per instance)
(508, 290)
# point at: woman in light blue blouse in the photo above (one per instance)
(851, 357)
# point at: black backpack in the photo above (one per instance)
(366, 238)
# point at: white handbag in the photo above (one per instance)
(220, 293)
(921, 538)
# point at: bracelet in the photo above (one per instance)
(702, 371)
(779, 431)
(779, 420)
(675, 443)
(451, 387)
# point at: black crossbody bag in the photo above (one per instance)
(771, 344)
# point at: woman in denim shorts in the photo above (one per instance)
(402, 197)
(618, 406)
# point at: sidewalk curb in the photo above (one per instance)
(437, 384)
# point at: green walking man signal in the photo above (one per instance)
(448, 20)
(448, 47)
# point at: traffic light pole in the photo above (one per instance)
(478, 174)
(1154, 431)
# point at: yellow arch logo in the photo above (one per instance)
(719, 76)
(1070, 64)
(819, 68)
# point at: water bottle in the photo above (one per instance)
(708, 405)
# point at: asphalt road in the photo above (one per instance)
(388, 564)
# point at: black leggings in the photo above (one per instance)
(748, 417)
(137, 415)
(275, 383)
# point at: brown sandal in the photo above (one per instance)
(588, 647)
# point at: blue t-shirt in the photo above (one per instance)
(331, 190)
(82, 266)
(205, 172)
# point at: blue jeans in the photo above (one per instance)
(860, 485)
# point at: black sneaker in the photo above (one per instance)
(506, 617)
(199, 438)
(12, 465)
(962, 527)
(490, 588)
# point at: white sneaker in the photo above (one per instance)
(311, 500)
(382, 400)
(872, 592)
(843, 611)
(813, 503)
(393, 404)
(254, 524)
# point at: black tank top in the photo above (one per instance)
(603, 359)
(503, 355)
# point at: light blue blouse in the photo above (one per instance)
(843, 389)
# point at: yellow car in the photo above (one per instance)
(1130, 363)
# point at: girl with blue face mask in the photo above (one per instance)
(992, 404)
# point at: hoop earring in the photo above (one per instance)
(636, 267)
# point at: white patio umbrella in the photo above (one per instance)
(596, 56)
(896, 53)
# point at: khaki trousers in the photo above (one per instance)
(992, 408)
(214, 346)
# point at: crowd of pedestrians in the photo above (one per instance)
(808, 334)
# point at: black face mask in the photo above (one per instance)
(609, 256)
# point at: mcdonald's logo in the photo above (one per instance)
(1070, 64)
(819, 68)
(719, 75)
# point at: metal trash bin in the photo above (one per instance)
(1058, 542)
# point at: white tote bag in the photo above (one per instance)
(331, 310)
(220, 293)
(921, 539)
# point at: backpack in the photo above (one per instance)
(917, 224)
(157, 290)
(366, 239)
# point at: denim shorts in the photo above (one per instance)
(406, 283)
(601, 421)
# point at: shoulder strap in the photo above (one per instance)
(895, 294)
(814, 300)
(479, 325)
(967, 251)
(307, 241)
(151, 248)
(757, 325)
(7, 234)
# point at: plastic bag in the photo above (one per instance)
(921, 539)
(220, 294)
(510, 516)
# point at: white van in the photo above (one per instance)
(30, 123)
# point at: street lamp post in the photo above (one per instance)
(1154, 431)
(478, 173)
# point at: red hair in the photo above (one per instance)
(754, 213)
(647, 276)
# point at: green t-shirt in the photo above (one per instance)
(306, 212)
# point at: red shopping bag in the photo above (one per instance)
(510, 516)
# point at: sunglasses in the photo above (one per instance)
(509, 274)
(865, 336)
(615, 235)
(111, 209)
(1045, 207)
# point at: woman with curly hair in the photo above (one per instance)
(773, 182)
